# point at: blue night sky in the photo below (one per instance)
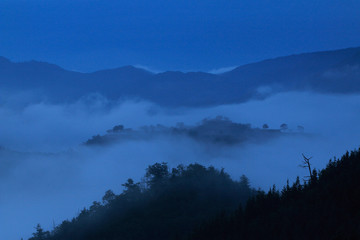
(172, 35)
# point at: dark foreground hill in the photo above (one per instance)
(331, 72)
(195, 202)
(166, 205)
(327, 207)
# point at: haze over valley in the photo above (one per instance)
(179, 120)
(43, 156)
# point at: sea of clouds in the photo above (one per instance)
(47, 175)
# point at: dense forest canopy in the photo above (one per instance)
(326, 206)
(167, 204)
(195, 202)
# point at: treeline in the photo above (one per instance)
(167, 204)
(327, 207)
(219, 130)
(195, 202)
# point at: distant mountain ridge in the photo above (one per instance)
(328, 71)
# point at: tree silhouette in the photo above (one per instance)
(40, 234)
(156, 173)
(306, 164)
(244, 181)
(284, 126)
(108, 197)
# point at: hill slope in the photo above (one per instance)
(331, 71)
(167, 204)
(172, 205)
(327, 207)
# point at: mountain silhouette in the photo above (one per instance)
(329, 72)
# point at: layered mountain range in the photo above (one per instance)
(330, 72)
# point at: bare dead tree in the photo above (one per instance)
(306, 164)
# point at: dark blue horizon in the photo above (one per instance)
(162, 35)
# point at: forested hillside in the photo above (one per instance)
(327, 206)
(165, 205)
(195, 202)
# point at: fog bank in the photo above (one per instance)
(47, 175)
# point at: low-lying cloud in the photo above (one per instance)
(222, 70)
(47, 175)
